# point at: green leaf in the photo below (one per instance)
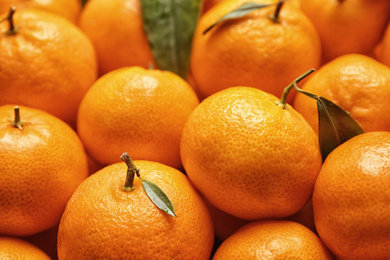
(158, 197)
(169, 27)
(335, 126)
(237, 13)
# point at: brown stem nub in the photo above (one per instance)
(275, 16)
(10, 18)
(132, 170)
(17, 115)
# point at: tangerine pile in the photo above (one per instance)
(107, 154)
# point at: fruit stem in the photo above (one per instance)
(275, 16)
(16, 122)
(10, 18)
(282, 102)
(132, 170)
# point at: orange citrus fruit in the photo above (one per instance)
(347, 26)
(357, 83)
(351, 198)
(382, 50)
(253, 50)
(248, 156)
(69, 9)
(273, 239)
(138, 110)
(116, 30)
(41, 163)
(15, 248)
(46, 63)
(111, 223)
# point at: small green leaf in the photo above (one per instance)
(335, 126)
(237, 13)
(158, 197)
(169, 27)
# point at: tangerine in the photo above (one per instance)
(46, 63)
(255, 50)
(104, 221)
(42, 161)
(351, 198)
(273, 239)
(116, 30)
(248, 156)
(139, 110)
(347, 27)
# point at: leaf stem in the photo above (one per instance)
(132, 170)
(275, 16)
(282, 102)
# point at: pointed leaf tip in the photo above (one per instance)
(158, 197)
(335, 126)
